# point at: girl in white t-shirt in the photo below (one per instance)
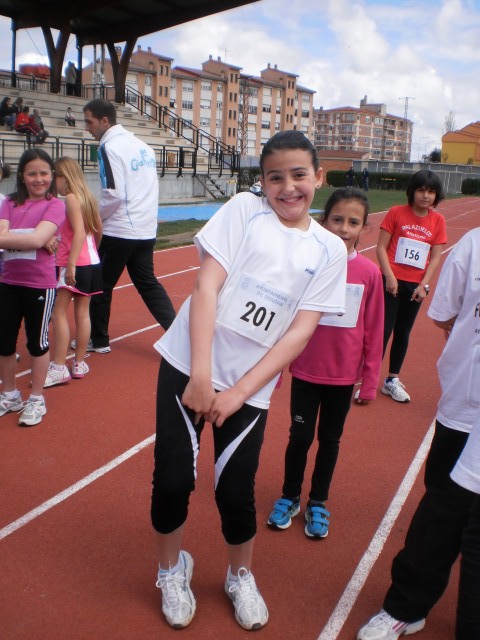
(268, 272)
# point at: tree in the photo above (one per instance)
(434, 156)
(449, 123)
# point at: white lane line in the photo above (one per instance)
(126, 335)
(364, 567)
(67, 493)
(167, 275)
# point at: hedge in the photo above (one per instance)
(390, 181)
(471, 186)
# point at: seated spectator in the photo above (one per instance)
(23, 124)
(7, 114)
(36, 120)
(17, 106)
(69, 117)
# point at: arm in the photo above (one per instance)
(199, 393)
(372, 342)
(446, 325)
(98, 233)
(391, 281)
(25, 241)
(435, 257)
(290, 345)
(74, 215)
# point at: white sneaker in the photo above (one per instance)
(79, 369)
(250, 609)
(383, 627)
(396, 390)
(56, 376)
(32, 413)
(178, 601)
(7, 404)
(91, 348)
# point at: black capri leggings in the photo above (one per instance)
(237, 447)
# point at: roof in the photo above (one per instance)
(104, 21)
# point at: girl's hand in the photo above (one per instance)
(198, 396)
(391, 285)
(224, 405)
(51, 245)
(70, 276)
(419, 294)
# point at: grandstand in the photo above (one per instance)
(190, 163)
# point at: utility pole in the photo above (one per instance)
(405, 119)
(244, 104)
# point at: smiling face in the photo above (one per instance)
(37, 177)
(346, 220)
(289, 181)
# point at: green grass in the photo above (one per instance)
(181, 232)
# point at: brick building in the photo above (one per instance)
(368, 130)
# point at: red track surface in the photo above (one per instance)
(84, 566)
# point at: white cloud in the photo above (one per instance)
(342, 49)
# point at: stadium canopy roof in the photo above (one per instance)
(105, 21)
(102, 21)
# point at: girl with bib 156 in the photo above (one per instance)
(409, 251)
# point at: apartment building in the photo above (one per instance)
(243, 111)
(368, 130)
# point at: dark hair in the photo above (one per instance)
(289, 140)
(25, 109)
(5, 170)
(425, 179)
(102, 109)
(346, 193)
(21, 194)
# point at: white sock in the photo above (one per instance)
(173, 569)
(36, 398)
(11, 395)
(58, 367)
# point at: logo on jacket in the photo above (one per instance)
(144, 161)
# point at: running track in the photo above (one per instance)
(77, 554)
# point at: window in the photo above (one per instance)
(148, 81)
(206, 86)
(305, 114)
(160, 91)
(220, 87)
(205, 104)
(173, 83)
(252, 109)
(266, 108)
(187, 86)
(220, 106)
(204, 122)
(349, 117)
(265, 124)
(267, 91)
(187, 104)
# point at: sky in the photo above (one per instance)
(388, 50)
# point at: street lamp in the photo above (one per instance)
(426, 144)
(420, 145)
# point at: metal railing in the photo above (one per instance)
(170, 158)
(220, 155)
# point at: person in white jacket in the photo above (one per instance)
(447, 520)
(128, 209)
